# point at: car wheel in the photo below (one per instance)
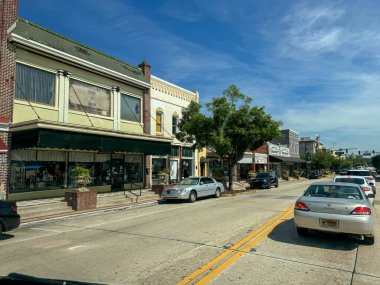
(370, 240)
(1, 229)
(302, 231)
(269, 185)
(217, 193)
(192, 197)
(276, 184)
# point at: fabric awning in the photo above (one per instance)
(81, 141)
(289, 159)
(247, 159)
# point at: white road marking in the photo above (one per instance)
(40, 229)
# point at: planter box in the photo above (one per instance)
(285, 178)
(157, 189)
(81, 200)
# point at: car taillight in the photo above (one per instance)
(14, 208)
(301, 206)
(365, 188)
(361, 211)
(370, 178)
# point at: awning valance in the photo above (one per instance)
(289, 159)
(82, 141)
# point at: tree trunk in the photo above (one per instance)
(229, 175)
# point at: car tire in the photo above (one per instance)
(193, 196)
(1, 229)
(269, 185)
(302, 231)
(276, 184)
(217, 193)
(369, 240)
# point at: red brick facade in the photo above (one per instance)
(8, 16)
(145, 67)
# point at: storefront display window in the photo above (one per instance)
(158, 165)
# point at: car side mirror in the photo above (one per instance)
(370, 196)
(201, 183)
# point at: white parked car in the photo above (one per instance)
(359, 180)
(192, 188)
(365, 173)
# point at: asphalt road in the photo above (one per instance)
(167, 243)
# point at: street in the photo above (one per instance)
(167, 243)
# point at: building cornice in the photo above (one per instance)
(76, 60)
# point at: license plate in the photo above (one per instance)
(328, 223)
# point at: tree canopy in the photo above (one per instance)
(376, 161)
(232, 127)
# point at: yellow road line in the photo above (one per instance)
(223, 255)
(246, 249)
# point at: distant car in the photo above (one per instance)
(335, 207)
(343, 172)
(193, 188)
(264, 180)
(314, 175)
(365, 173)
(359, 180)
(9, 218)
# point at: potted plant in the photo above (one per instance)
(285, 174)
(81, 198)
(296, 174)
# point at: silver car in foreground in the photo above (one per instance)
(192, 188)
(335, 207)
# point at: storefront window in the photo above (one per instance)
(33, 170)
(133, 168)
(89, 98)
(130, 108)
(34, 84)
(158, 166)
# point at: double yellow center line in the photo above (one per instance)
(229, 256)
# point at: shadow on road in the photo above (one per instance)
(6, 236)
(286, 233)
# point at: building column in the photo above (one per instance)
(116, 98)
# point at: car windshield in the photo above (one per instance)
(262, 175)
(189, 181)
(359, 181)
(334, 191)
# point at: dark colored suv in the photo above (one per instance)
(9, 219)
(264, 180)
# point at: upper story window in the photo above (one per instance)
(35, 85)
(130, 108)
(159, 121)
(89, 98)
(174, 124)
(187, 152)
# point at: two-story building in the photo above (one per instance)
(167, 102)
(67, 104)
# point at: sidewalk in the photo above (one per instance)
(37, 211)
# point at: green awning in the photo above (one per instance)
(82, 141)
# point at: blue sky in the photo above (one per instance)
(314, 65)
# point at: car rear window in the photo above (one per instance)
(359, 181)
(359, 173)
(334, 191)
(262, 175)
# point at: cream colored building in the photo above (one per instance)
(167, 102)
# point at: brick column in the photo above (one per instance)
(8, 16)
(145, 67)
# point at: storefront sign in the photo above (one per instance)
(261, 158)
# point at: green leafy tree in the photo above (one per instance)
(375, 161)
(232, 127)
(322, 160)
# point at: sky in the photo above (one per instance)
(314, 65)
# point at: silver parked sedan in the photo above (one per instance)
(335, 207)
(192, 188)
